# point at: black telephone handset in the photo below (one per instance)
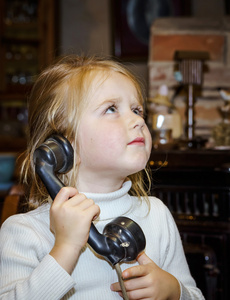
(122, 239)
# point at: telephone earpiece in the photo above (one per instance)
(53, 156)
(122, 239)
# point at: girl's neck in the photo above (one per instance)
(96, 186)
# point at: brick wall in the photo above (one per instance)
(192, 34)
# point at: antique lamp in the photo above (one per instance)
(190, 67)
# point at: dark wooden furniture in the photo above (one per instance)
(27, 45)
(12, 203)
(195, 185)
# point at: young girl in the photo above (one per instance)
(98, 106)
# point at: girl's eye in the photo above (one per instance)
(139, 111)
(111, 109)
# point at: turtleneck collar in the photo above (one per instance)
(113, 204)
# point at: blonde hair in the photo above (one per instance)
(56, 103)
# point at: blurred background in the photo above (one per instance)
(180, 50)
(34, 32)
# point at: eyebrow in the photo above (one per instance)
(108, 101)
(112, 101)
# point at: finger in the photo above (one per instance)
(133, 293)
(115, 287)
(143, 259)
(130, 284)
(88, 203)
(93, 211)
(143, 294)
(135, 283)
(64, 194)
(85, 203)
(132, 272)
(140, 270)
(76, 200)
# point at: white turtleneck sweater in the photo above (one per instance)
(27, 271)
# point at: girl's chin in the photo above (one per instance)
(136, 170)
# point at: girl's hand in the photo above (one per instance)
(148, 281)
(71, 215)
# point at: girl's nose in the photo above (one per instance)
(140, 123)
(137, 121)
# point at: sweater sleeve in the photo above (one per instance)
(175, 263)
(26, 272)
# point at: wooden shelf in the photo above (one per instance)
(197, 158)
(35, 37)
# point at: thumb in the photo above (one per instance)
(143, 259)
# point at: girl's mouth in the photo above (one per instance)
(138, 141)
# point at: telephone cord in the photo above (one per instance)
(118, 270)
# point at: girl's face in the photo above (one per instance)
(114, 140)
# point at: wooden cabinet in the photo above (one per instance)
(27, 45)
(195, 186)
